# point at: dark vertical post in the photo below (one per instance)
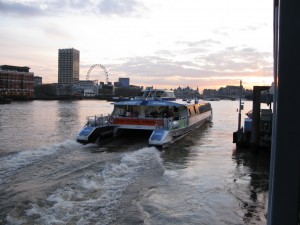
(255, 117)
(285, 154)
(255, 130)
(240, 107)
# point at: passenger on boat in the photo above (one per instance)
(176, 114)
(135, 113)
(129, 114)
(154, 113)
(170, 113)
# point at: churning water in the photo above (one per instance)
(46, 177)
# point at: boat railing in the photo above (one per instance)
(171, 124)
(98, 120)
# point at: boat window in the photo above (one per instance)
(169, 94)
(159, 94)
(204, 108)
(147, 94)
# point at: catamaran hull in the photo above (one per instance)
(92, 134)
(163, 138)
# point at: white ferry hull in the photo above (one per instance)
(163, 137)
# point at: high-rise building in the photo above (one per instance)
(68, 66)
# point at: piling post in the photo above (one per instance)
(240, 107)
(255, 117)
(255, 133)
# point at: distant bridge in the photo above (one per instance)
(229, 97)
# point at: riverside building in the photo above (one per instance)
(16, 82)
(68, 66)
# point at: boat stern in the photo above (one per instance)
(91, 134)
(84, 135)
(160, 137)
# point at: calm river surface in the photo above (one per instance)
(46, 177)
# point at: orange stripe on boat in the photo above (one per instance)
(137, 121)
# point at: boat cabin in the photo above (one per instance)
(149, 109)
(157, 94)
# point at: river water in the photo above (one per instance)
(46, 177)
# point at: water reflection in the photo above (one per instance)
(180, 152)
(16, 126)
(68, 116)
(252, 174)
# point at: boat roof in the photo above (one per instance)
(152, 94)
(155, 103)
(147, 103)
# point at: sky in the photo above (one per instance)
(160, 43)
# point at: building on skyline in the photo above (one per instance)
(186, 92)
(68, 66)
(37, 80)
(230, 91)
(87, 88)
(123, 82)
(16, 82)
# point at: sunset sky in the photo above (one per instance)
(160, 43)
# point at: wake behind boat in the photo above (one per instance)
(156, 111)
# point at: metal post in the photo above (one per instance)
(256, 117)
(284, 188)
(239, 121)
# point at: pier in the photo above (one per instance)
(284, 184)
(257, 130)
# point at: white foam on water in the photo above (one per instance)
(171, 174)
(94, 198)
(89, 184)
(89, 145)
(10, 220)
(10, 164)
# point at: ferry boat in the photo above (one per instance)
(157, 111)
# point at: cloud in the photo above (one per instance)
(205, 42)
(227, 67)
(118, 7)
(197, 47)
(173, 50)
(193, 50)
(151, 66)
(166, 53)
(222, 31)
(254, 28)
(61, 7)
(19, 8)
(233, 59)
(230, 60)
(54, 31)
